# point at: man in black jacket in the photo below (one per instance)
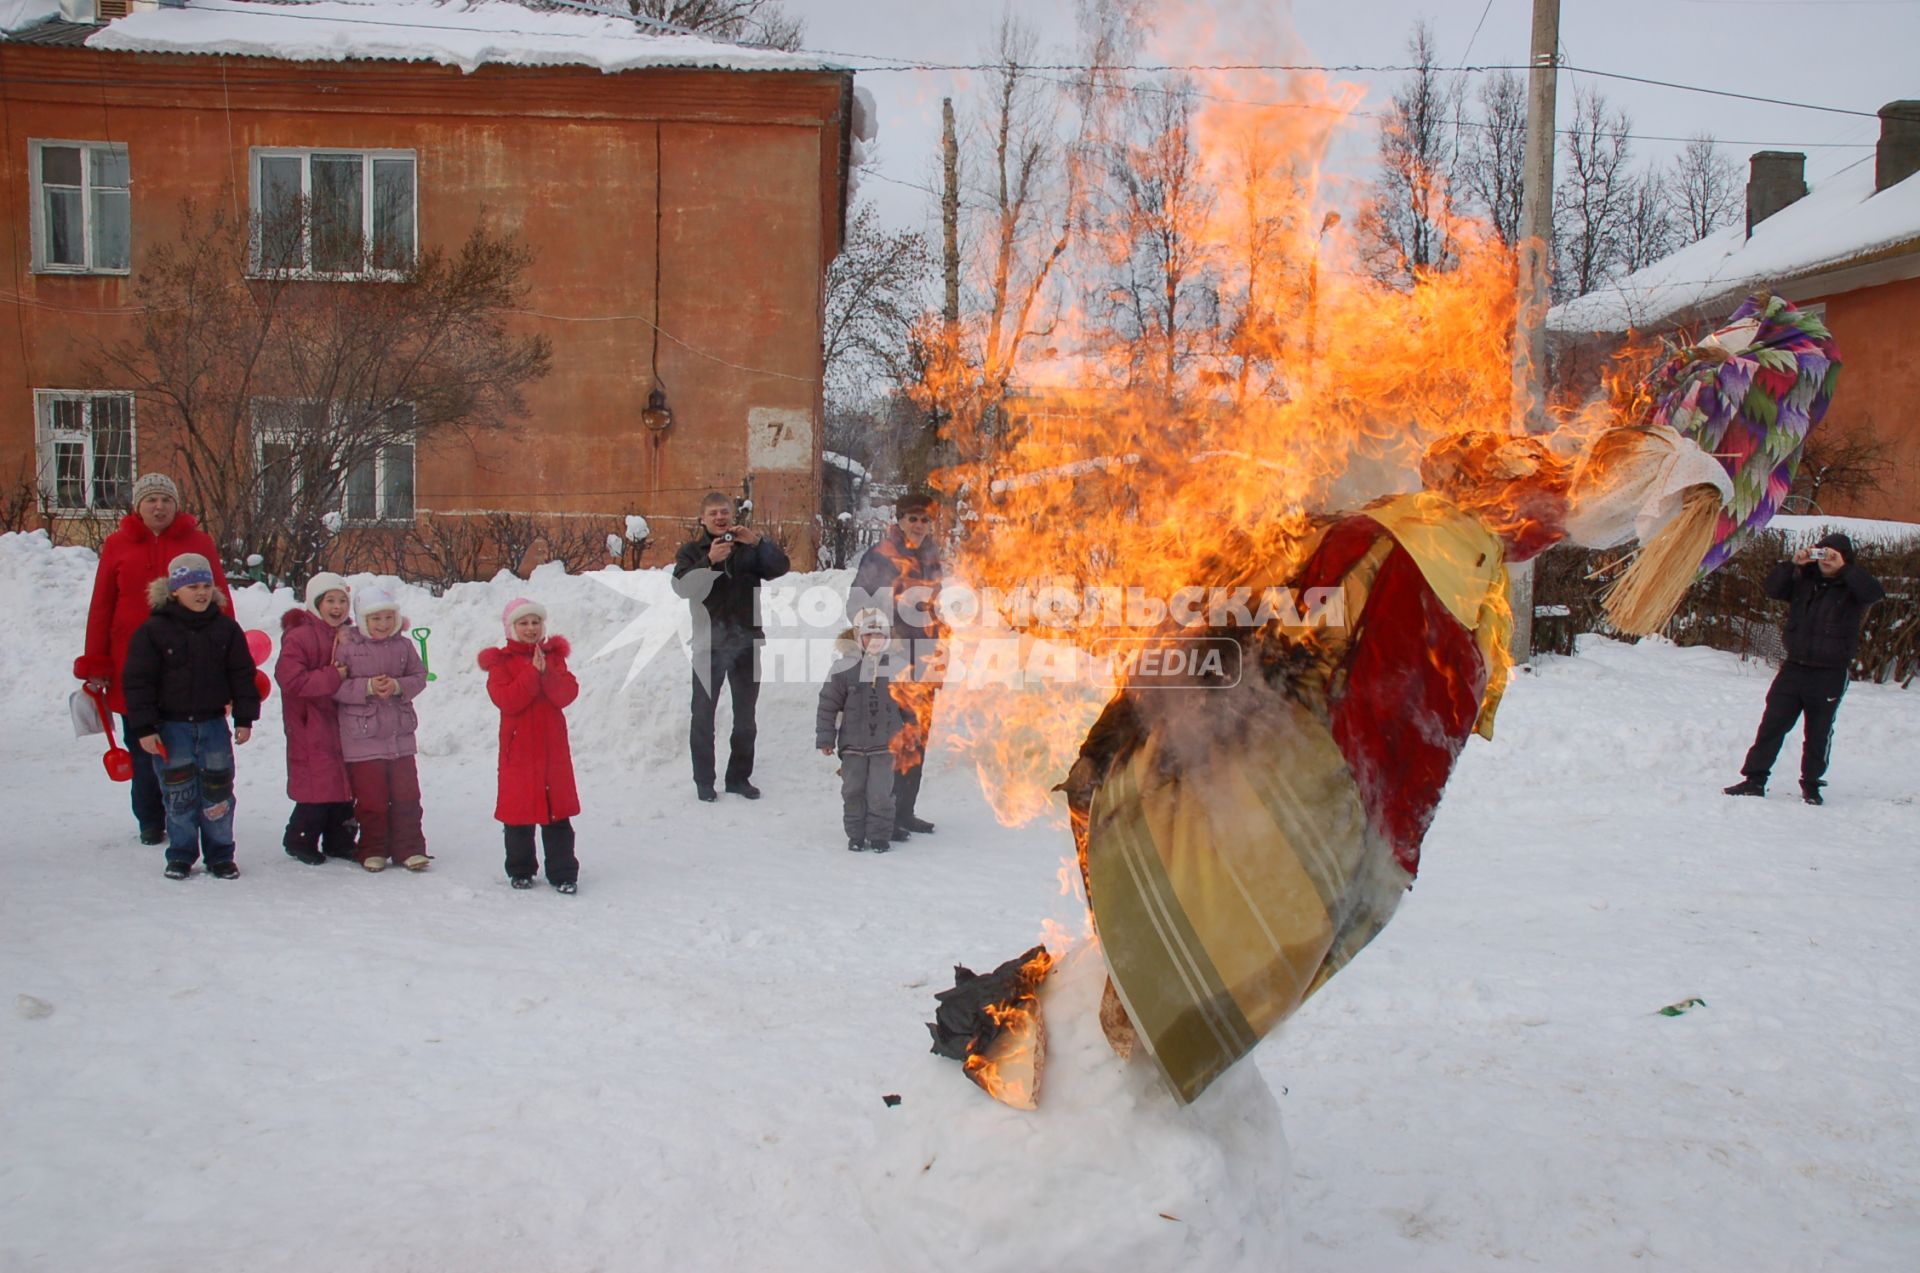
(1826, 595)
(719, 571)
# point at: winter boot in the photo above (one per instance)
(153, 835)
(374, 863)
(856, 846)
(568, 887)
(418, 862)
(1810, 792)
(878, 846)
(741, 787)
(224, 871)
(520, 881)
(1747, 787)
(920, 825)
(178, 870)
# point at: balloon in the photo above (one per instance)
(260, 645)
(262, 683)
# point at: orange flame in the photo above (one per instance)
(1194, 449)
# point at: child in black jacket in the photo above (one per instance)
(184, 667)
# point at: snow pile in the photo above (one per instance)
(1843, 219)
(1111, 1172)
(462, 33)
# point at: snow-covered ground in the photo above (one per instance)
(682, 1068)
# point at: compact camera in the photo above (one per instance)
(727, 538)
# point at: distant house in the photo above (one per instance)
(1852, 247)
(665, 182)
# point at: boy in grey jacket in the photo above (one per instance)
(859, 718)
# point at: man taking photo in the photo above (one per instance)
(719, 571)
(1826, 596)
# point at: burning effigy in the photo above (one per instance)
(1240, 843)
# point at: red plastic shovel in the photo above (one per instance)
(118, 760)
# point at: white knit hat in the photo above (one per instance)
(373, 599)
(321, 584)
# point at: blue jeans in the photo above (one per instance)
(149, 809)
(196, 781)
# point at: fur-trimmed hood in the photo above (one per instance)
(490, 659)
(297, 618)
(158, 594)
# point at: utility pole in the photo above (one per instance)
(950, 218)
(1536, 247)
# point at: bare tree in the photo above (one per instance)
(876, 291)
(1160, 300)
(1706, 190)
(1493, 163)
(1840, 467)
(1592, 205)
(1648, 231)
(763, 22)
(1264, 280)
(294, 403)
(1406, 228)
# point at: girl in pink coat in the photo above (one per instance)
(309, 675)
(381, 675)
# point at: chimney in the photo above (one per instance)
(1898, 156)
(1775, 179)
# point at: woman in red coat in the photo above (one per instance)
(135, 555)
(529, 682)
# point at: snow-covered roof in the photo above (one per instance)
(462, 33)
(1835, 225)
(18, 15)
(847, 462)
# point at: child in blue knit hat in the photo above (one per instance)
(184, 666)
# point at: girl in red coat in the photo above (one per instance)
(529, 682)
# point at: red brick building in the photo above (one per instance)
(661, 180)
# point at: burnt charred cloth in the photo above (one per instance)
(962, 1026)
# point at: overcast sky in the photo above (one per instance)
(1856, 54)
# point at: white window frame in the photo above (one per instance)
(305, 154)
(49, 438)
(40, 232)
(265, 433)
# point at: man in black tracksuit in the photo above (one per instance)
(1826, 595)
(719, 571)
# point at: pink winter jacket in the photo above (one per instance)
(316, 773)
(378, 728)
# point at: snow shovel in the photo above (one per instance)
(420, 636)
(118, 760)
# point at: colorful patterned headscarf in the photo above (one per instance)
(1748, 395)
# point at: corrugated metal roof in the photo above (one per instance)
(54, 32)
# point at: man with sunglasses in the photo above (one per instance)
(901, 575)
